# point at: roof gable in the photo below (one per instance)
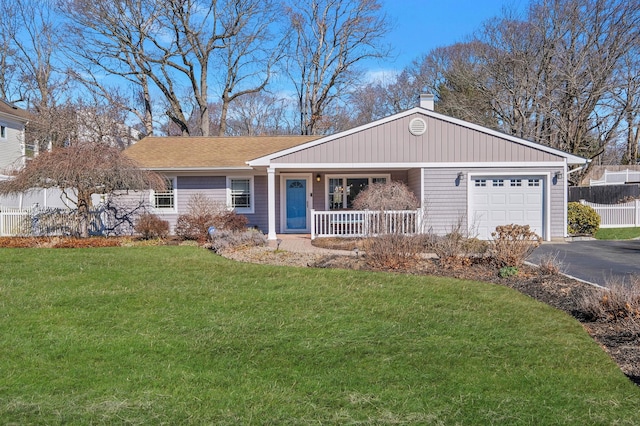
(446, 139)
(165, 153)
(13, 111)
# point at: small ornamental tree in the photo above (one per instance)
(83, 169)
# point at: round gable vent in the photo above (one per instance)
(417, 126)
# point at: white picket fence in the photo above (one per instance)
(359, 223)
(625, 215)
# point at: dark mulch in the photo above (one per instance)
(620, 339)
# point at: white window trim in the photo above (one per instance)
(152, 199)
(252, 202)
(387, 176)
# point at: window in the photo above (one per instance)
(343, 190)
(516, 182)
(534, 182)
(3, 132)
(498, 182)
(165, 199)
(480, 182)
(240, 194)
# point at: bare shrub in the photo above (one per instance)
(231, 221)
(550, 265)
(150, 226)
(617, 302)
(388, 247)
(392, 251)
(512, 244)
(457, 248)
(392, 195)
(229, 240)
(202, 212)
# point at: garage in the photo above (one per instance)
(503, 200)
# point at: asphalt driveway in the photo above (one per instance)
(595, 261)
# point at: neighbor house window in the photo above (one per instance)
(241, 194)
(343, 190)
(166, 199)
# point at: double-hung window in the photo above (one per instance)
(165, 200)
(241, 194)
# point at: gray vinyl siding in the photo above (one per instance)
(443, 142)
(413, 182)
(260, 218)
(212, 187)
(446, 202)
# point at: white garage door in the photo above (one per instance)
(496, 201)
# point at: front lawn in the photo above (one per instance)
(617, 233)
(178, 335)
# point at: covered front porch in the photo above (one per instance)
(321, 203)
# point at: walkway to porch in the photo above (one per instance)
(301, 243)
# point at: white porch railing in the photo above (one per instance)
(13, 221)
(359, 223)
(625, 215)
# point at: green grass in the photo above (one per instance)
(617, 233)
(177, 335)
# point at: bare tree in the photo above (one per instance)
(113, 38)
(260, 113)
(85, 169)
(248, 55)
(329, 39)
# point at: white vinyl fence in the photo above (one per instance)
(625, 215)
(360, 223)
(14, 221)
(46, 222)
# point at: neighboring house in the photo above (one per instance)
(458, 170)
(12, 139)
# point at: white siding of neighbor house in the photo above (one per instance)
(10, 147)
(443, 142)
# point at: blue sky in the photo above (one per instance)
(422, 25)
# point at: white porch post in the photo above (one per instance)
(271, 194)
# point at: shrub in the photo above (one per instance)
(617, 302)
(392, 195)
(457, 248)
(512, 244)
(150, 226)
(227, 240)
(508, 271)
(582, 219)
(231, 221)
(549, 265)
(392, 251)
(201, 214)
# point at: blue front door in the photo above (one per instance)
(296, 204)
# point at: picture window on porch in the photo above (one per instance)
(241, 194)
(166, 199)
(342, 190)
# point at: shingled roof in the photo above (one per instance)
(10, 109)
(208, 152)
